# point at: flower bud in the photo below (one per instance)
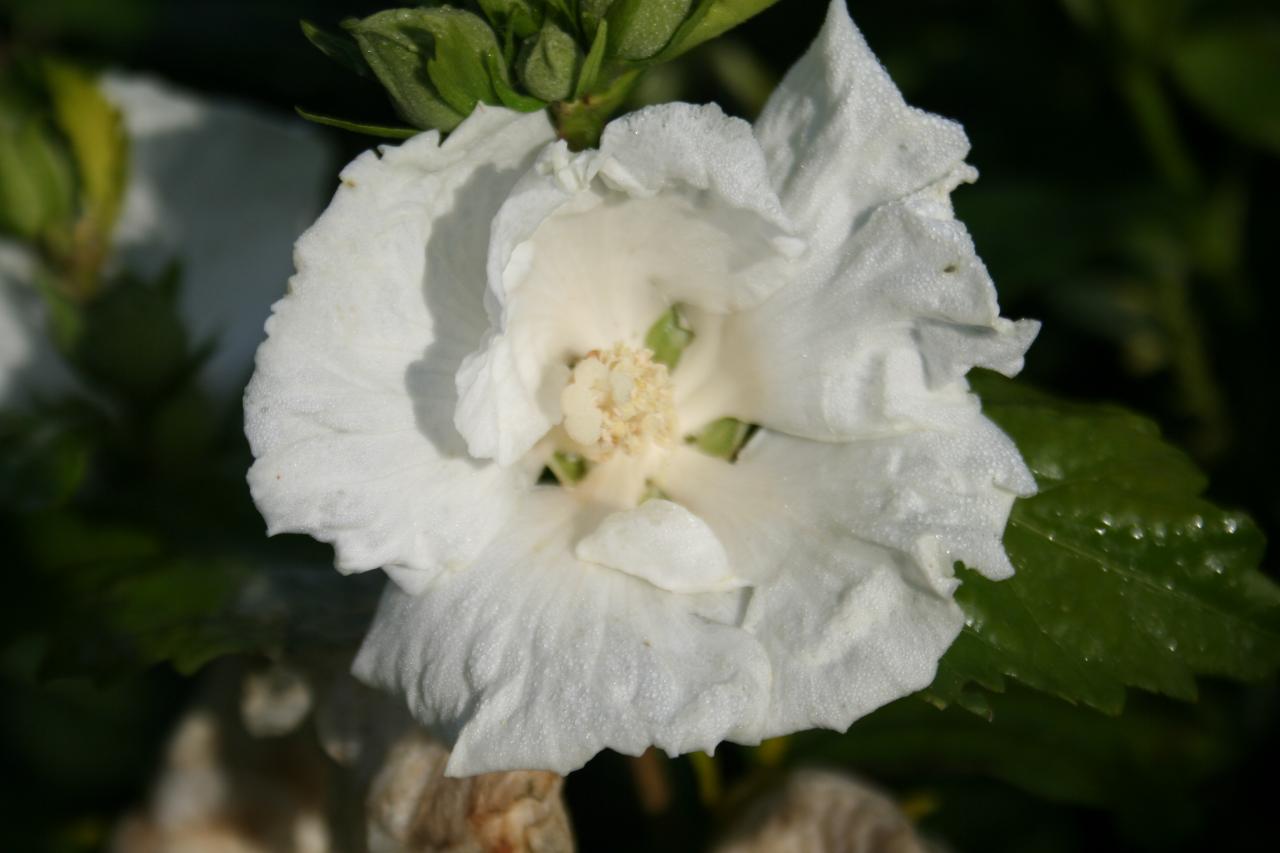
(432, 62)
(549, 64)
(521, 17)
(641, 28)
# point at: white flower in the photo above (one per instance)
(464, 309)
(220, 188)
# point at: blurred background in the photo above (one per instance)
(1129, 153)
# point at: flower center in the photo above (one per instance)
(618, 399)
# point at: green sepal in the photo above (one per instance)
(510, 98)
(668, 337)
(568, 468)
(430, 61)
(590, 72)
(459, 69)
(520, 18)
(722, 438)
(340, 47)
(380, 130)
(640, 29)
(709, 19)
(563, 10)
(548, 64)
(592, 14)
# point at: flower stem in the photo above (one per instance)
(580, 122)
(652, 780)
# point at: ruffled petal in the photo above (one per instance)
(533, 659)
(224, 190)
(850, 549)
(840, 140)
(349, 413)
(883, 344)
(591, 248)
(662, 543)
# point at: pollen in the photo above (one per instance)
(618, 400)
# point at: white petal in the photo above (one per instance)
(662, 543)
(880, 346)
(678, 147)
(849, 548)
(350, 410)
(224, 190)
(532, 659)
(840, 139)
(591, 248)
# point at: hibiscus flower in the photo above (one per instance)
(468, 314)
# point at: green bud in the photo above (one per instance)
(640, 29)
(722, 438)
(549, 64)
(519, 17)
(433, 62)
(592, 14)
(668, 337)
(337, 46)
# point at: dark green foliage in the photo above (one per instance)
(1126, 576)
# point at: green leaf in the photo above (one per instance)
(37, 189)
(722, 438)
(43, 460)
(128, 602)
(1232, 73)
(339, 47)
(668, 336)
(639, 29)
(708, 20)
(548, 64)
(95, 130)
(380, 130)
(590, 72)
(1126, 577)
(1055, 750)
(132, 339)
